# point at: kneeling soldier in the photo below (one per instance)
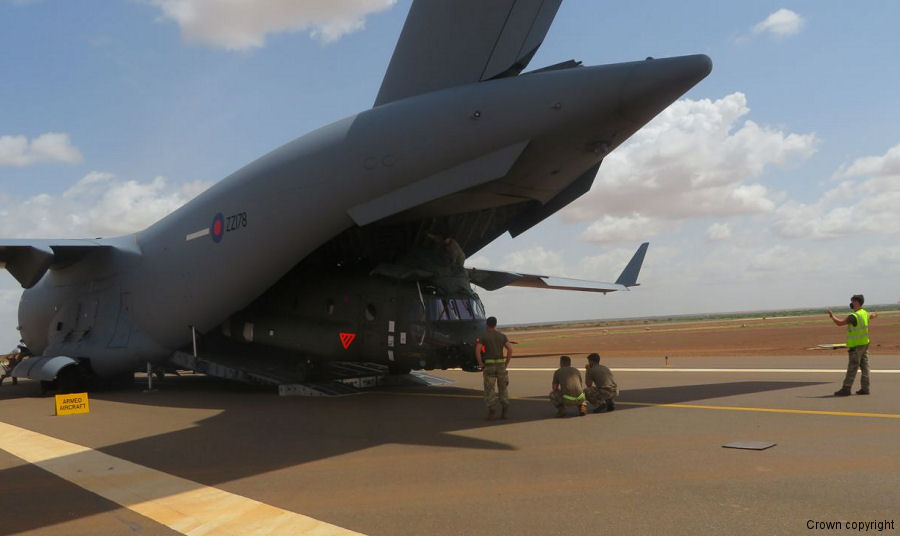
(568, 390)
(601, 386)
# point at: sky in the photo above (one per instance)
(774, 183)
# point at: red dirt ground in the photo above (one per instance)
(772, 336)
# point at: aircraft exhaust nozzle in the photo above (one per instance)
(654, 84)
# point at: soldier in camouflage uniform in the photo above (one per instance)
(489, 354)
(568, 390)
(601, 385)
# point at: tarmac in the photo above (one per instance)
(205, 456)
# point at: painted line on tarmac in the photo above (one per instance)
(668, 369)
(180, 504)
(767, 410)
(663, 405)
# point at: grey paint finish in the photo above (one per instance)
(466, 175)
(514, 145)
(447, 43)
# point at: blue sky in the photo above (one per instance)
(779, 184)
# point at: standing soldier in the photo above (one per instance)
(857, 345)
(568, 390)
(601, 385)
(489, 354)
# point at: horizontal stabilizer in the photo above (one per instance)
(447, 43)
(493, 279)
(29, 260)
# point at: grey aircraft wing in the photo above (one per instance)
(493, 279)
(29, 260)
(448, 43)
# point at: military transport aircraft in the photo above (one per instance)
(319, 251)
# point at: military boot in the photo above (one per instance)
(844, 391)
(504, 413)
(863, 391)
(610, 405)
(561, 411)
(490, 415)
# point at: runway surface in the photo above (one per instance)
(201, 456)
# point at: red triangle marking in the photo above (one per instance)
(347, 339)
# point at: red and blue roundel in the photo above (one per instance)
(217, 228)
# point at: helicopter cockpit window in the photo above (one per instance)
(454, 309)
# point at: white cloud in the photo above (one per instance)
(49, 147)
(478, 261)
(244, 24)
(781, 23)
(718, 231)
(856, 206)
(621, 229)
(99, 204)
(696, 159)
(535, 260)
(887, 165)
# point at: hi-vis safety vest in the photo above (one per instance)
(858, 335)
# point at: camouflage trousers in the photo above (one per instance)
(560, 401)
(858, 359)
(496, 379)
(597, 396)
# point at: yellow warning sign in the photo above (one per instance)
(72, 403)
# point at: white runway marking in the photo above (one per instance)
(669, 369)
(180, 504)
(199, 234)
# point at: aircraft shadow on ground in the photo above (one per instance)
(679, 394)
(258, 432)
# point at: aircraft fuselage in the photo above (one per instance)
(214, 256)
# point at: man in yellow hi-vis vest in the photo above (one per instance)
(857, 345)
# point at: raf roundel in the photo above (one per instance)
(217, 228)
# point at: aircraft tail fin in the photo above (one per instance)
(446, 43)
(629, 275)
